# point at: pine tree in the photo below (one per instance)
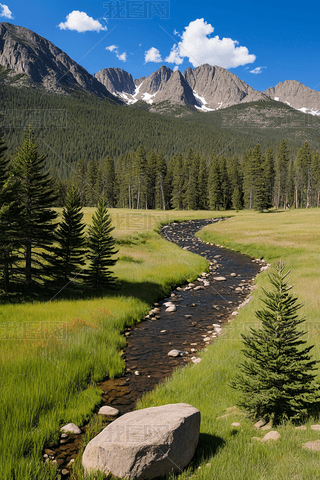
(276, 380)
(161, 199)
(214, 187)
(92, 187)
(80, 180)
(203, 184)
(36, 198)
(281, 176)
(191, 191)
(69, 255)
(151, 174)
(107, 186)
(9, 220)
(140, 177)
(101, 248)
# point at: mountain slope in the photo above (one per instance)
(116, 80)
(216, 87)
(45, 65)
(296, 95)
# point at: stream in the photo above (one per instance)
(202, 308)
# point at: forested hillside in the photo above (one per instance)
(72, 127)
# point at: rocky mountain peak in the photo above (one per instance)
(46, 66)
(296, 95)
(116, 80)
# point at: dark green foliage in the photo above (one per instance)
(36, 199)
(214, 187)
(161, 194)
(276, 380)
(101, 248)
(281, 176)
(9, 221)
(69, 254)
(107, 187)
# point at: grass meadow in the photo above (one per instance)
(53, 353)
(226, 452)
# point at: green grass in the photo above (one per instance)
(82, 344)
(228, 453)
(53, 353)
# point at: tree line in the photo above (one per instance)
(34, 246)
(255, 181)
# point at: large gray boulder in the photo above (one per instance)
(145, 444)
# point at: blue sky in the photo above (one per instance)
(263, 44)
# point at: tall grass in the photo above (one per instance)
(53, 353)
(226, 452)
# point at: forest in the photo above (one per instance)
(143, 180)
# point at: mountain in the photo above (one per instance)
(27, 59)
(216, 87)
(206, 87)
(116, 80)
(44, 65)
(297, 96)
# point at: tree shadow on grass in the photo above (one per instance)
(148, 292)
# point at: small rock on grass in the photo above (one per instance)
(266, 427)
(260, 423)
(273, 435)
(315, 427)
(196, 360)
(71, 428)
(235, 424)
(106, 410)
(315, 445)
(65, 472)
(302, 427)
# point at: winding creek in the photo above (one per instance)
(200, 313)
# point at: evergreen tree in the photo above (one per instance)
(92, 187)
(203, 184)
(151, 176)
(268, 174)
(191, 190)
(108, 179)
(302, 172)
(140, 177)
(281, 176)
(36, 198)
(101, 248)
(80, 180)
(276, 380)
(177, 167)
(225, 184)
(9, 220)
(214, 187)
(69, 255)
(161, 196)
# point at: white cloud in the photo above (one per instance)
(122, 57)
(5, 11)
(197, 45)
(257, 70)
(81, 22)
(152, 55)
(111, 48)
(174, 56)
(176, 68)
(175, 32)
